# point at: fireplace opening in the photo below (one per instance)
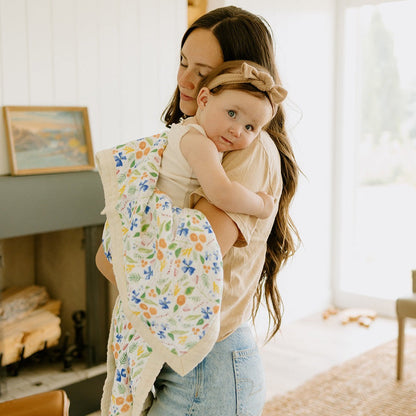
(56, 271)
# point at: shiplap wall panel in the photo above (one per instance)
(109, 61)
(14, 52)
(64, 52)
(130, 69)
(117, 57)
(152, 60)
(39, 41)
(4, 161)
(88, 63)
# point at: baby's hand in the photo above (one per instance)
(268, 202)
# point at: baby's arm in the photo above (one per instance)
(202, 156)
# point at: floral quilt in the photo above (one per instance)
(168, 270)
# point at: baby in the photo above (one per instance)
(235, 102)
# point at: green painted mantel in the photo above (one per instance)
(43, 203)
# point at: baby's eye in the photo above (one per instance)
(231, 113)
(249, 127)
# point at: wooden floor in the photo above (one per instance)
(312, 345)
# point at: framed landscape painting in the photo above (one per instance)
(48, 139)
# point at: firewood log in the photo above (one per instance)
(31, 332)
(17, 301)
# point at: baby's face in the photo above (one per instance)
(232, 119)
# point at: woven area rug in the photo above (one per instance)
(363, 386)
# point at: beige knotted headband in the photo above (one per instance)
(262, 80)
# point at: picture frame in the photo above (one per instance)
(44, 139)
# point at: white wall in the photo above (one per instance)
(117, 57)
(304, 33)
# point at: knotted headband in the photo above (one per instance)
(262, 80)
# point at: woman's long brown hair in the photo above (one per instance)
(245, 36)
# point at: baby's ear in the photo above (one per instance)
(203, 97)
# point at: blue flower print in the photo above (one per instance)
(165, 205)
(183, 230)
(147, 209)
(119, 159)
(188, 268)
(130, 209)
(119, 337)
(161, 335)
(176, 210)
(134, 224)
(108, 255)
(148, 273)
(143, 186)
(135, 297)
(208, 228)
(201, 334)
(206, 312)
(216, 268)
(164, 303)
(121, 373)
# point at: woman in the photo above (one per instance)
(229, 381)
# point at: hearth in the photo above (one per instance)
(50, 229)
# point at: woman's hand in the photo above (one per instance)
(225, 229)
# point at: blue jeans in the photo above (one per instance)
(228, 382)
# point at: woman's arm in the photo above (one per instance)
(104, 266)
(225, 229)
(202, 156)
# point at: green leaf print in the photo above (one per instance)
(200, 322)
(171, 336)
(121, 388)
(132, 346)
(166, 288)
(153, 174)
(154, 168)
(179, 332)
(123, 358)
(189, 290)
(178, 252)
(191, 317)
(134, 277)
(157, 290)
(170, 246)
(176, 308)
(168, 226)
(145, 227)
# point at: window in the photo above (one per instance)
(376, 152)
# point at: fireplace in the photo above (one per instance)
(50, 229)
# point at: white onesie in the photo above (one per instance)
(176, 177)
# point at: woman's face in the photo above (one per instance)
(200, 54)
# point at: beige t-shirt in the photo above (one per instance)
(258, 168)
